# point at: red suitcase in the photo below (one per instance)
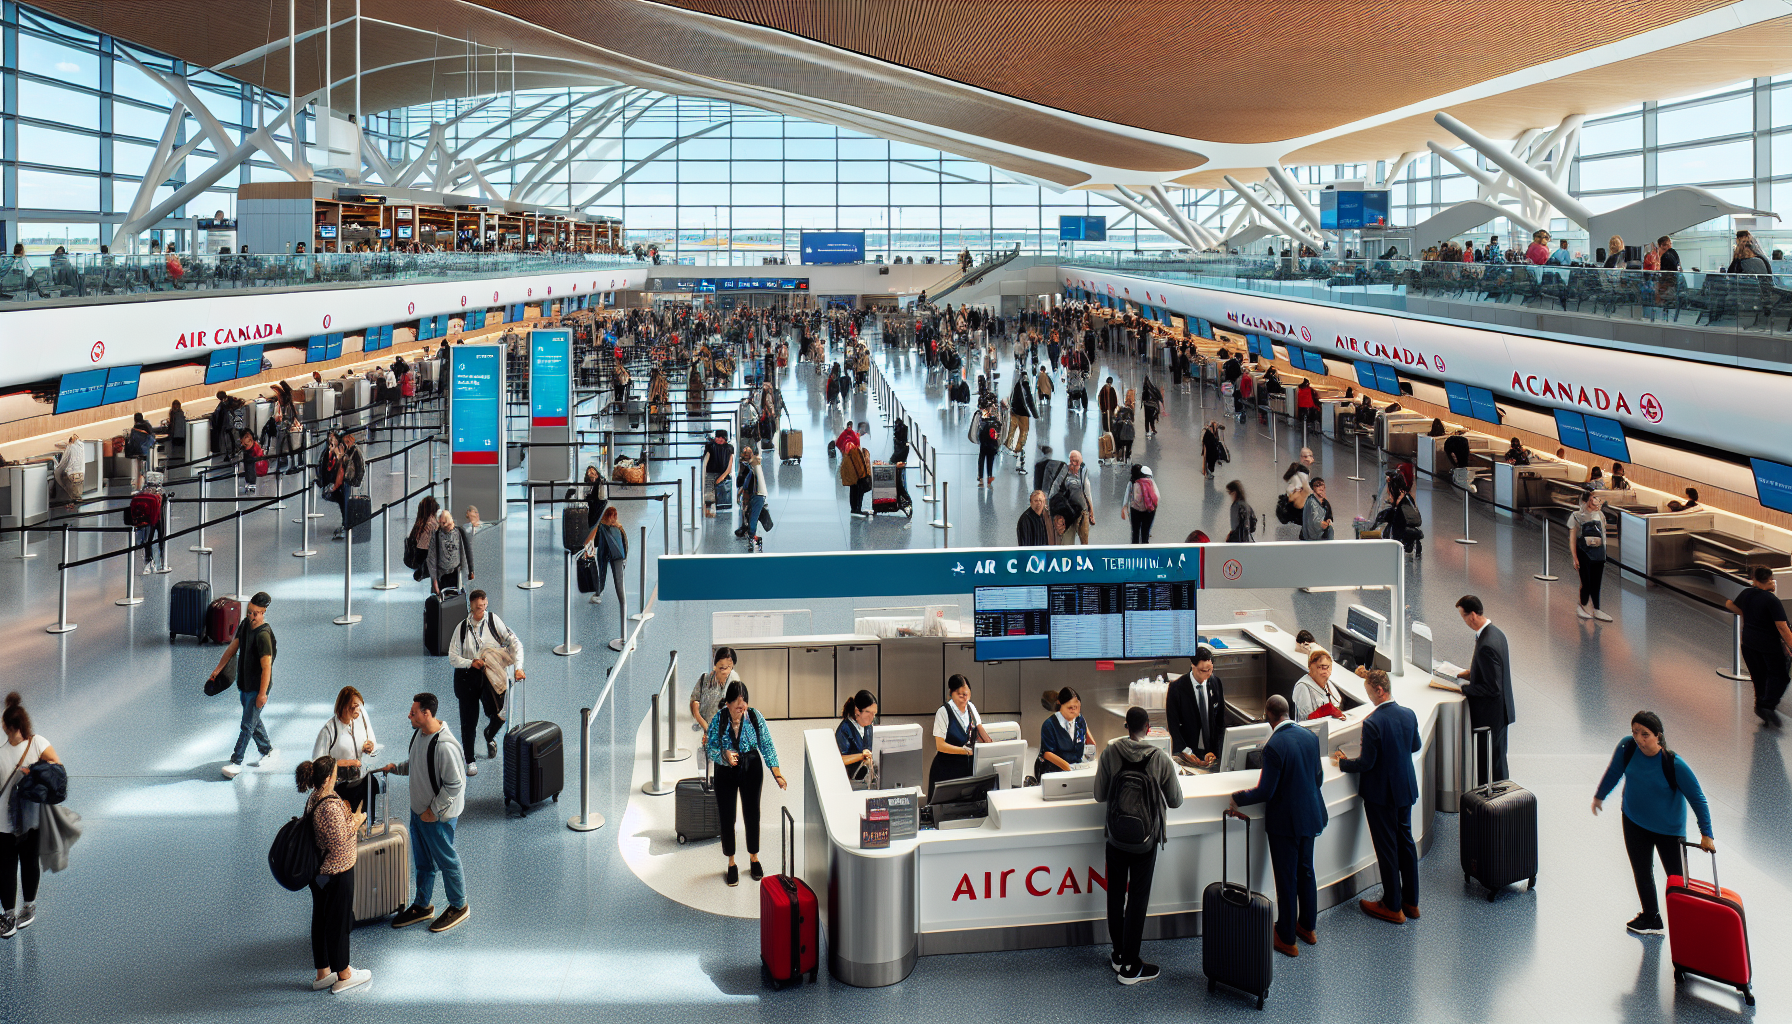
(789, 918)
(221, 620)
(1707, 933)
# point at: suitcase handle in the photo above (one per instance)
(786, 855)
(1685, 867)
(1225, 866)
(1475, 749)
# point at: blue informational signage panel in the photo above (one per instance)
(248, 360)
(1773, 484)
(1458, 396)
(1571, 429)
(82, 390)
(121, 384)
(1386, 379)
(1480, 405)
(222, 366)
(550, 377)
(1082, 229)
(1605, 438)
(475, 405)
(833, 247)
(1352, 211)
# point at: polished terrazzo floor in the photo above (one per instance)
(168, 913)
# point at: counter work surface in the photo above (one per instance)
(1033, 873)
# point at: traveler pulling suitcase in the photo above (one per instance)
(694, 812)
(790, 446)
(789, 921)
(441, 617)
(1707, 932)
(187, 604)
(221, 620)
(1498, 826)
(1237, 927)
(382, 864)
(534, 759)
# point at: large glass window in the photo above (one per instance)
(1728, 161)
(58, 61)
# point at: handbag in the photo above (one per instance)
(224, 680)
(765, 519)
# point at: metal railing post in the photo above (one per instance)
(655, 786)
(567, 648)
(130, 573)
(24, 543)
(930, 478)
(1736, 671)
(167, 522)
(679, 504)
(673, 751)
(530, 582)
(1356, 448)
(239, 595)
(586, 820)
(62, 625)
(1464, 539)
(204, 480)
(385, 582)
(1545, 574)
(643, 615)
(943, 522)
(304, 521)
(348, 616)
(696, 499)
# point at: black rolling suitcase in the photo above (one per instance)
(358, 514)
(441, 617)
(694, 811)
(575, 523)
(1237, 928)
(187, 604)
(534, 758)
(1498, 826)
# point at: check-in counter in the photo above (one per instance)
(320, 404)
(1339, 418)
(1398, 433)
(353, 402)
(26, 498)
(1535, 485)
(194, 447)
(1702, 551)
(1032, 873)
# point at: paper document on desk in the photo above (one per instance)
(1447, 675)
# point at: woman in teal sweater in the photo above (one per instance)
(1658, 785)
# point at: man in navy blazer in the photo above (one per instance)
(1389, 788)
(1294, 814)
(1489, 688)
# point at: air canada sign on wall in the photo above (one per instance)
(229, 335)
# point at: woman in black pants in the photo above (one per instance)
(19, 849)
(1658, 787)
(740, 744)
(1586, 541)
(989, 442)
(333, 890)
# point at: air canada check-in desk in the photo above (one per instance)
(1029, 872)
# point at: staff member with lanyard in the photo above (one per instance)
(739, 742)
(1064, 738)
(853, 737)
(954, 726)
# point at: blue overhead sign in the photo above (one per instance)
(1082, 229)
(550, 377)
(833, 247)
(1353, 211)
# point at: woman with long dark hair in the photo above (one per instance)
(19, 835)
(741, 746)
(333, 890)
(1658, 787)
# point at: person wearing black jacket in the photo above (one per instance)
(1195, 706)
(1488, 683)
(1021, 410)
(1033, 531)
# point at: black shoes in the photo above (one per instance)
(1133, 974)
(756, 870)
(732, 875)
(413, 914)
(450, 918)
(1645, 924)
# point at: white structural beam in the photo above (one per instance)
(1198, 238)
(1531, 177)
(1395, 168)
(1135, 204)
(1272, 216)
(635, 167)
(1292, 191)
(1462, 165)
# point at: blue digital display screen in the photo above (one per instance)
(550, 377)
(1458, 395)
(1773, 484)
(1365, 376)
(1082, 229)
(82, 390)
(318, 344)
(1348, 211)
(1481, 407)
(121, 384)
(248, 360)
(1386, 379)
(1571, 428)
(222, 366)
(833, 246)
(1605, 438)
(475, 409)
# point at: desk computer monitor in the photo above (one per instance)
(999, 731)
(1321, 728)
(1241, 740)
(961, 803)
(896, 751)
(1350, 650)
(1075, 785)
(1004, 759)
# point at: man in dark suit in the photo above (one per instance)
(1389, 788)
(1295, 813)
(1489, 687)
(1196, 708)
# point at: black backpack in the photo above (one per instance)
(295, 858)
(1135, 808)
(1285, 511)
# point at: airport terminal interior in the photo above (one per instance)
(932, 510)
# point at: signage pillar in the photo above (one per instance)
(476, 430)
(550, 403)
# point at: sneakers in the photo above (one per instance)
(756, 870)
(472, 769)
(596, 599)
(1599, 613)
(149, 570)
(1114, 962)
(491, 748)
(1580, 611)
(327, 981)
(267, 757)
(9, 926)
(1645, 924)
(453, 917)
(232, 770)
(357, 977)
(1137, 973)
(413, 914)
(732, 875)
(27, 914)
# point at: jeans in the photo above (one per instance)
(18, 862)
(432, 849)
(1639, 842)
(1292, 859)
(752, 509)
(1390, 830)
(332, 917)
(252, 727)
(157, 532)
(1129, 896)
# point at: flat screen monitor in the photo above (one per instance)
(248, 360)
(121, 384)
(1082, 228)
(1012, 623)
(957, 791)
(1365, 376)
(1571, 429)
(404, 231)
(896, 752)
(1321, 728)
(1341, 210)
(1241, 740)
(832, 247)
(84, 389)
(1350, 651)
(1386, 379)
(1480, 405)
(1773, 484)
(1458, 396)
(221, 367)
(318, 344)
(1605, 438)
(385, 232)
(1004, 759)
(1159, 619)
(1087, 620)
(326, 231)
(1367, 624)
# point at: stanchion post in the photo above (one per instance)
(385, 582)
(167, 522)
(1356, 448)
(679, 502)
(696, 499)
(62, 625)
(200, 547)
(1545, 574)
(239, 595)
(586, 820)
(24, 544)
(567, 648)
(530, 582)
(643, 615)
(944, 522)
(304, 521)
(348, 616)
(673, 751)
(1464, 539)
(130, 573)
(655, 786)
(1736, 671)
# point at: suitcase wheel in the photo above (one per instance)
(1533, 883)
(1259, 1004)
(682, 839)
(1679, 975)
(1492, 894)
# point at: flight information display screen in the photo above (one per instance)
(1084, 621)
(1160, 619)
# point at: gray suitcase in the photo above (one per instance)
(694, 810)
(382, 866)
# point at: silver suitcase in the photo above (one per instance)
(382, 866)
